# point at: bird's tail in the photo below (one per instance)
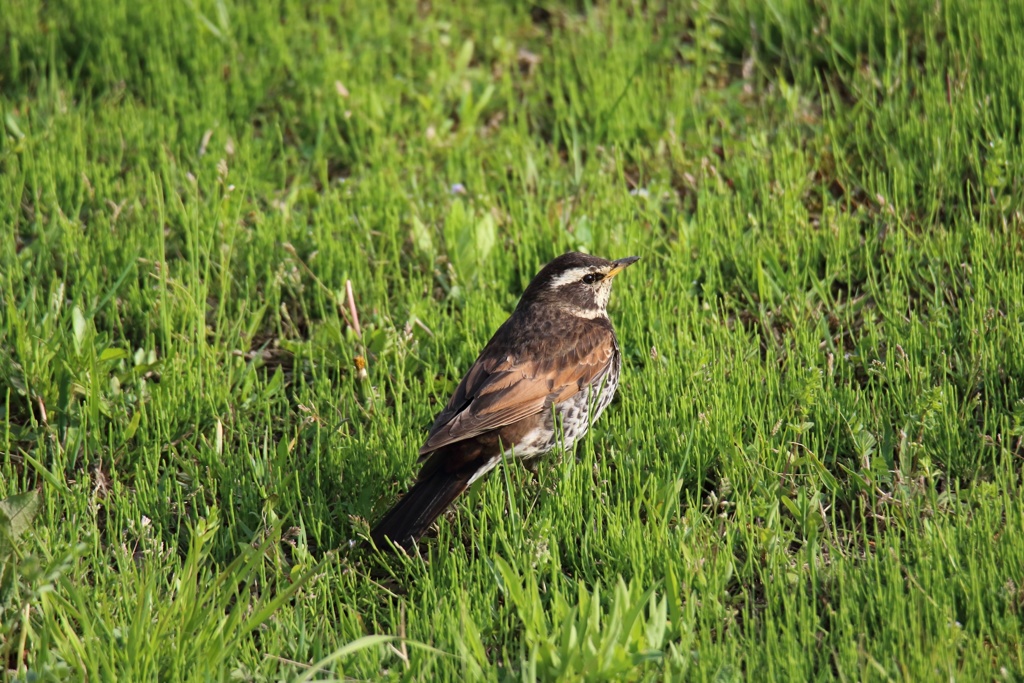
(416, 511)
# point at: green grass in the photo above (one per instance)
(813, 467)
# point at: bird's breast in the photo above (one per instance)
(575, 415)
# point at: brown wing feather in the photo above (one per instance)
(500, 390)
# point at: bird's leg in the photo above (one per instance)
(532, 465)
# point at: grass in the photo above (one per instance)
(813, 467)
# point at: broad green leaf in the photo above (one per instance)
(18, 511)
(78, 326)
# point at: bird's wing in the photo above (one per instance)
(501, 389)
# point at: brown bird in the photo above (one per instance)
(554, 363)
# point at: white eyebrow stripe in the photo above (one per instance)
(574, 275)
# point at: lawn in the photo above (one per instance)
(247, 250)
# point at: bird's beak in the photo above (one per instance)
(621, 265)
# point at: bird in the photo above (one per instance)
(549, 371)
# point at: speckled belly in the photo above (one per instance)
(576, 414)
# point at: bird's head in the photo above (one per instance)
(579, 283)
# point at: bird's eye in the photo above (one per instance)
(591, 278)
